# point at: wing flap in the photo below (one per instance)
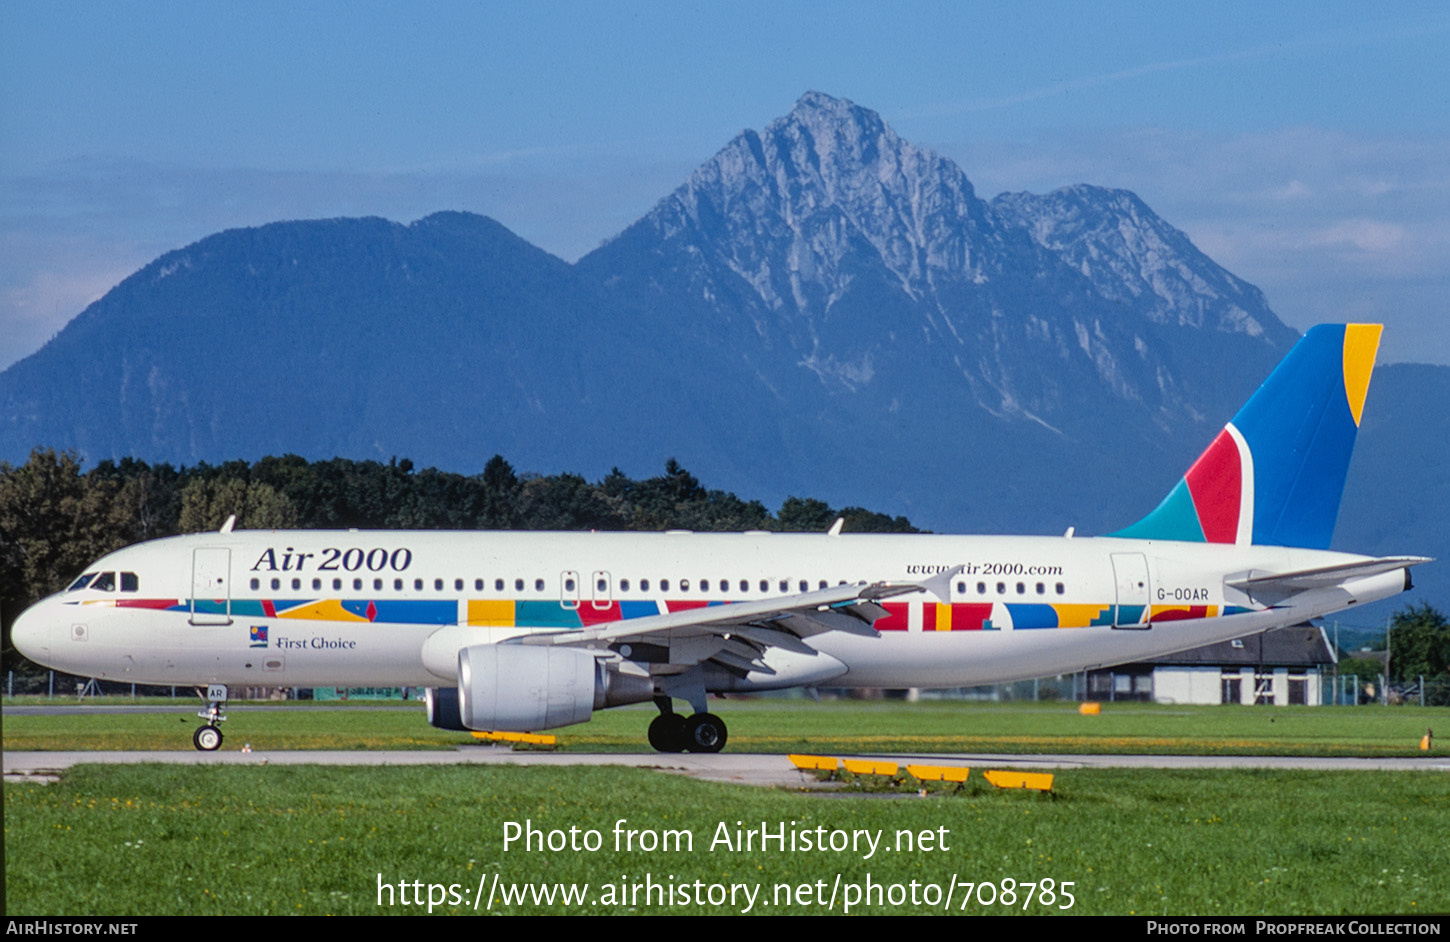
(784, 621)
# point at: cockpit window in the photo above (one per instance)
(129, 582)
(105, 582)
(82, 582)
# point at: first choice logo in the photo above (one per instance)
(317, 644)
(335, 559)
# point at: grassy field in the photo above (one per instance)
(776, 725)
(288, 839)
(121, 840)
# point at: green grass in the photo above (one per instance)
(779, 726)
(124, 840)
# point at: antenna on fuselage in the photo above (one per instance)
(227, 527)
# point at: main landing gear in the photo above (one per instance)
(208, 738)
(671, 732)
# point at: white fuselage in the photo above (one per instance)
(393, 608)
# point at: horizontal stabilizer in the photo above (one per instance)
(1271, 590)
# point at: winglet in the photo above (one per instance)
(1275, 474)
(940, 584)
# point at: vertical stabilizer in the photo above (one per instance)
(1275, 474)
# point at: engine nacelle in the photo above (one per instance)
(522, 688)
(443, 708)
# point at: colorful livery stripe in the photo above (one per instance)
(1275, 474)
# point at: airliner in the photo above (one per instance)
(514, 631)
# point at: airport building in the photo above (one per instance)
(1284, 667)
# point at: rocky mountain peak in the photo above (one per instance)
(795, 209)
(1134, 258)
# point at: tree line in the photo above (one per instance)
(56, 518)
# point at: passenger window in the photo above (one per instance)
(357, 584)
(316, 584)
(538, 585)
(601, 586)
(624, 585)
(704, 585)
(981, 588)
(664, 585)
(337, 584)
(105, 582)
(745, 585)
(296, 583)
(1021, 588)
(765, 585)
(684, 585)
(805, 586)
(478, 585)
(498, 585)
(644, 585)
(418, 585)
(276, 584)
(1001, 588)
(1041, 588)
(128, 582)
(1061, 588)
(256, 583)
(458, 585)
(823, 584)
(518, 585)
(377, 585)
(437, 585)
(397, 585)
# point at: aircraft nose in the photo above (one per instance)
(31, 634)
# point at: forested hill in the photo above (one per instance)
(56, 519)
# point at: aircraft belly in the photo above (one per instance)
(964, 659)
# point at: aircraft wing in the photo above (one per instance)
(736, 634)
(1271, 590)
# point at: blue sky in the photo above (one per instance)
(1304, 146)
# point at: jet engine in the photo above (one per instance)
(442, 705)
(523, 688)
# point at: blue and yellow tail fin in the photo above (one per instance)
(1275, 474)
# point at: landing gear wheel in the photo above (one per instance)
(667, 733)
(704, 732)
(207, 738)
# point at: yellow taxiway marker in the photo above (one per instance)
(826, 763)
(1041, 781)
(939, 773)
(1090, 709)
(539, 739)
(869, 767)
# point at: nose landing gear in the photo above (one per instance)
(208, 738)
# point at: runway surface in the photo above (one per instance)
(739, 768)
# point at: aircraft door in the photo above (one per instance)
(1130, 572)
(210, 586)
(569, 588)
